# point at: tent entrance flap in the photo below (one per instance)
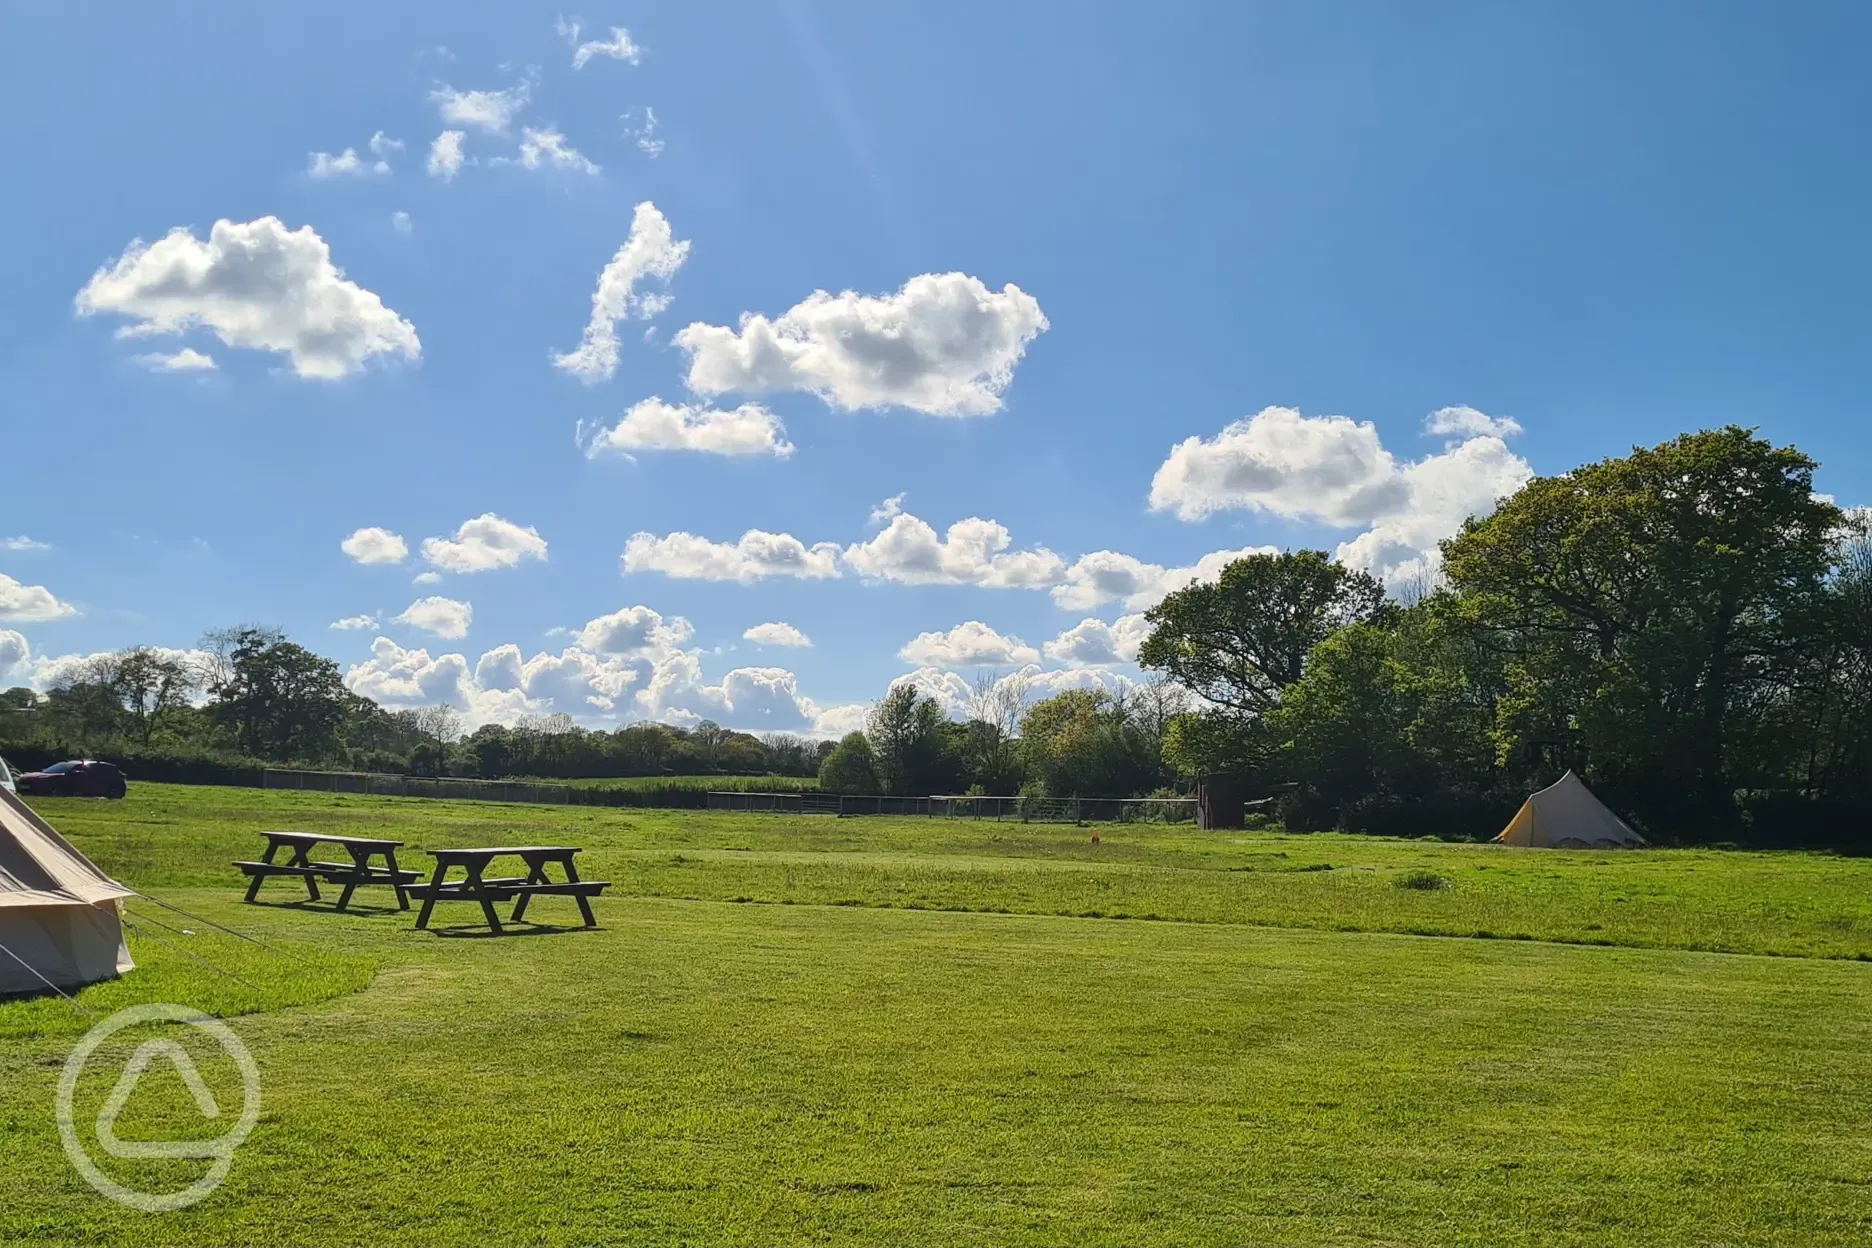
(58, 912)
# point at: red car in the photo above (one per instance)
(77, 778)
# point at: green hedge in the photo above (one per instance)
(151, 766)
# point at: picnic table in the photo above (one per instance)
(477, 886)
(353, 874)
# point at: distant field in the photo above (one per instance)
(869, 1031)
(719, 784)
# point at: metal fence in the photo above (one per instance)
(962, 806)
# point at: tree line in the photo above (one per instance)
(1689, 627)
(251, 697)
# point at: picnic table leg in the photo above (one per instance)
(535, 875)
(479, 890)
(253, 889)
(360, 867)
(429, 898)
(396, 881)
(584, 902)
(300, 859)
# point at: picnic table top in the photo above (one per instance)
(491, 851)
(316, 838)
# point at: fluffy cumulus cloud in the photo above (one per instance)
(375, 546)
(20, 666)
(1108, 576)
(635, 632)
(1094, 643)
(955, 692)
(973, 552)
(945, 344)
(483, 544)
(355, 623)
(1334, 471)
(969, 644)
(654, 425)
(491, 112)
(255, 285)
(776, 634)
(651, 251)
(30, 604)
(1441, 491)
(187, 360)
(756, 556)
(443, 617)
(446, 157)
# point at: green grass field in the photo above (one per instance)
(863, 1031)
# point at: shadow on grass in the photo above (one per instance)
(480, 931)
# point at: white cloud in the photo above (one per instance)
(755, 556)
(635, 632)
(382, 145)
(18, 666)
(658, 426)
(650, 251)
(834, 722)
(1094, 643)
(375, 546)
(973, 552)
(347, 164)
(483, 544)
(22, 543)
(426, 578)
(545, 147)
(953, 691)
(1466, 422)
(647, 142)
(400, 222)
(489, 111)
(888, 510)
(355, 623)
(750, 698)
(445, 155)
(396, 676)
(1441, 492)
(969, 644)
(945, 344)
(187, 360)
(619, 47)
(14, 652)
(776, 634)
(1325, 468)
(30, 604)
(444, 617)
(1331, 470)
(256, 285)
(1107, 576)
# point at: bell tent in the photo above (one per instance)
(58, 912)
(1565, 815)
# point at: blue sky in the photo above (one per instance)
(1567, 228)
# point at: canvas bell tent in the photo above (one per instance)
(58, 912)
(1566, 815)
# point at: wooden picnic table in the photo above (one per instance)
(477, 886)
(353, 874)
